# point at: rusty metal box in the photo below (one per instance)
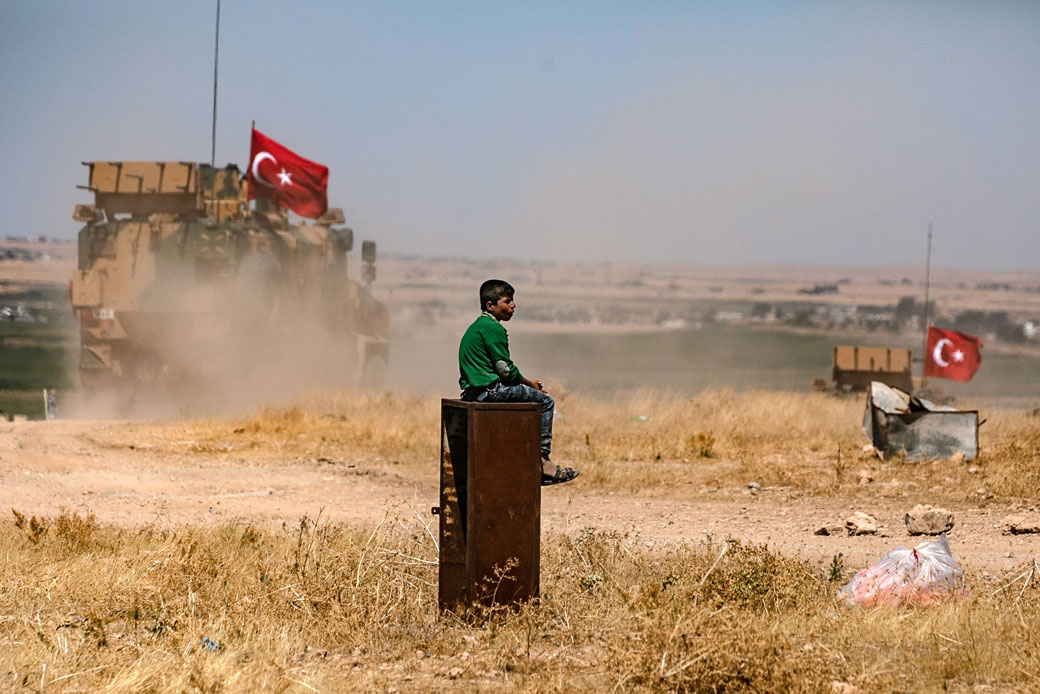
(490, 503)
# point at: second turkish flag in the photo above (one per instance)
(951, 354)
(285, 177)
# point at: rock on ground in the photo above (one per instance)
(1022, 524)
(860, 523)
(831, 529)
(925, 520)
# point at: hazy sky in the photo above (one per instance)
(729, 132)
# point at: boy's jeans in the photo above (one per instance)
(499, 392)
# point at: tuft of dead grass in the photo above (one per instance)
(323, 607)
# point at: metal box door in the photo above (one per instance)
(490, 503)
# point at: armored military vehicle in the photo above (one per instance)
(855, 368)
(178, 280)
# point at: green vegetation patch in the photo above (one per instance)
(34, 356)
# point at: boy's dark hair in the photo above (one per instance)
(493, 290)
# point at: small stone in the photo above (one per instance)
(860, 523)
(1022, 524)
(831, 530)
(868, 451)
(925, 520)
(973, 470)
(455, 673)
(754, 486)
(865, 477)
(957, 457)
(844, 688)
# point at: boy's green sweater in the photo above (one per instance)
(484, 355)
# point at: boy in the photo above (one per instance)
(487, 374)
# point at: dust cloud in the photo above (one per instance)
(225, 348)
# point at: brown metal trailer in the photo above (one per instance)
(854, 368)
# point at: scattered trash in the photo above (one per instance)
(924, 575)
(209, 644)
(641, 418)
(897, 422)
(925, 520)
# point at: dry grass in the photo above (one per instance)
(381, 427)
(318, 607)
(646, 443)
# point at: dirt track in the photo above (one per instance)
(47, 466)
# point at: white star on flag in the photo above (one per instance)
(958, 355)
(285, 178)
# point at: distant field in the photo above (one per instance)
(432, 299)
(37, 356)
(34, 356)
(688, 361)
(739, 357)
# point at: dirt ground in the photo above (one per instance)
(89, 466)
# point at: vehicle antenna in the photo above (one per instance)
(927, 279)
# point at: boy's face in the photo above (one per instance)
(502, 309)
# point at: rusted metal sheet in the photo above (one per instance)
(897, 422)
(451, 583)
(490, 503)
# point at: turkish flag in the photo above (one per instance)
(951, 354)
(286, 178)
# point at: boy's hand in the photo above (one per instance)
(536, 384)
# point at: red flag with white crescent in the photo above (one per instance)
(285, 177)
(951, 354)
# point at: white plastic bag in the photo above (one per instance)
(924, 575)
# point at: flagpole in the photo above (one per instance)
(216, 55)
(252, 128)
(927, 282)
